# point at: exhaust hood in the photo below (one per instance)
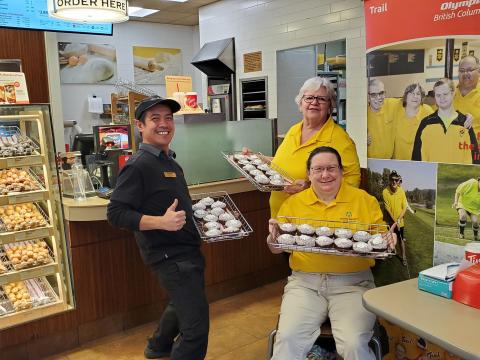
(216, 58)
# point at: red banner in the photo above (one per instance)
(389, 21)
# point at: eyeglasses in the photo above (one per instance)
(320, 169)
(320, 99)
(467, 71)
(377, 95)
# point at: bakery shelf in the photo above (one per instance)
(32, 131)
(14, 236)
(333, 225)
(45, 302)
(28, 273)
(16, 161)
(244, 231)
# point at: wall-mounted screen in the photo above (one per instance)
(33, 15)
(112, 137)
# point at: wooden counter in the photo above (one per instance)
(114, 290)
(445, 322)
(95, 208)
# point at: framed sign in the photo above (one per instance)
(252, 62)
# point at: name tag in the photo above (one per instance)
(169, 174)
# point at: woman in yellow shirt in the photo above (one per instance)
(322, 285)
(316, 100)
(408, 119)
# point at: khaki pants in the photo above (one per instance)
(309, 298)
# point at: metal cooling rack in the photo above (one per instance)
(333, 225)
(9, 131)
(245, 229)
(11, 267)
(229, 156)
(3, 228)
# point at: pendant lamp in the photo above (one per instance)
(90, 11)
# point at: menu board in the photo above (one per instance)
(33, 14)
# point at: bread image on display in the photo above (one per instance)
(10, 93)
(3, 98)
(151, 65)
(87, 63)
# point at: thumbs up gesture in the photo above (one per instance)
(173, 220)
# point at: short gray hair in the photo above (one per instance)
(314, 84)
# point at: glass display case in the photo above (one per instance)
(35, 277)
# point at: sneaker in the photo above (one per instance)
(461, 236)
(152, 353)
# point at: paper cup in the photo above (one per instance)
(191, 100)
(472, 252)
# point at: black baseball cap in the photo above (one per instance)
(152, 101)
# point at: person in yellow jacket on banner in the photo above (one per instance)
(467, 93)
(395, 202)
(316, 101)
(467, 202)
(442, 136)
(380, 121)
(407, 120)
(322, 285)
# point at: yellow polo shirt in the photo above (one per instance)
(469, 198)
(453, 144)
(405, 131)
(381, 130)
(395, 203)
(469, 104)
(292, 156)
(351, 204)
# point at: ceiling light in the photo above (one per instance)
(95, 11)
(140, 12)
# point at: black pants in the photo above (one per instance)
(187, 313)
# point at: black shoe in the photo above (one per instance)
(155, 354)
(152, 353)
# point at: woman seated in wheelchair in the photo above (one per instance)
(327, 286)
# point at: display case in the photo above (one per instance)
(35, 276)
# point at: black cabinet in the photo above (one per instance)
(254, 98)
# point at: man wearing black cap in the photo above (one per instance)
(151, 198)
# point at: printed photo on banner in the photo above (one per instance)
(424, 101)
(458, 211)
(151, 64)
(87, 63)
(406, 191)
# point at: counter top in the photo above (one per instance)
(445, 322)
(95, 208)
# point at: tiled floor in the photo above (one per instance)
(239, 329)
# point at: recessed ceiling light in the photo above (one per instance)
(140, 12)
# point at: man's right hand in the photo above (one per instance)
(173, 220)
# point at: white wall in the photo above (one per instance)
(125, 36)
(271, 25)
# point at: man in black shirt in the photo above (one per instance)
(151, 198)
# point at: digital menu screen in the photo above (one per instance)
(114, 137)
(33, 15)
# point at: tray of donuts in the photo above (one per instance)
(20, 185)
(217, 218)
(332, 237)
(13, 143)
(26, 254)
(27, 294)
(259, 170)
(21, 217)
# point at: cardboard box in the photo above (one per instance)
(439, 279)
